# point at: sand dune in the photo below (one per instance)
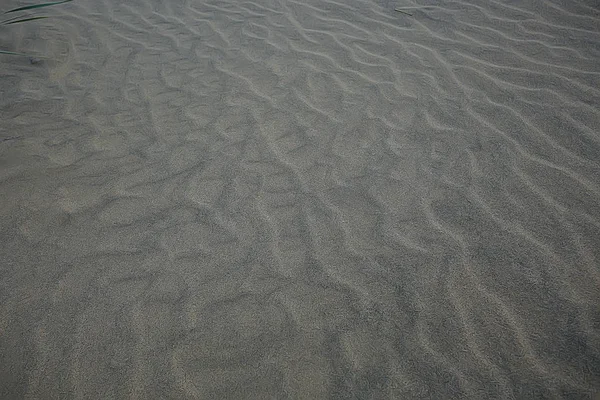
(317, 199)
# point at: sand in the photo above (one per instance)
(280, 199)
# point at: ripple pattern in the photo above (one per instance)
(314, 199)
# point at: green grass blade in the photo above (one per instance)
(37, 6)
(12, 21)
(12, 53)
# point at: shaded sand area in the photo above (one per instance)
(318, 199)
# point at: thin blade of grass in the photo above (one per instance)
(11, 19)
(37, 6)
(12, 53)
(402, 11)
(21, 20)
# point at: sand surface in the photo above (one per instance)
(280, 199)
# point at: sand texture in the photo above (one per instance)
(316, 199)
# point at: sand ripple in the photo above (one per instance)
(302, 199)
